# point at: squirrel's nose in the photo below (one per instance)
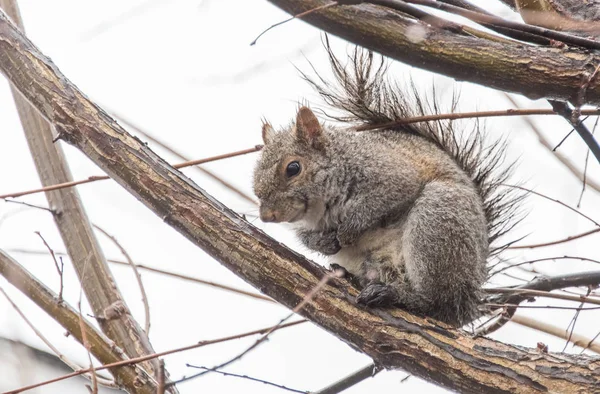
(267, 215)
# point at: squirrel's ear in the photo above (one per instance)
(267, 132)
(308, 128)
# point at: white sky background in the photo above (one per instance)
(184, 71)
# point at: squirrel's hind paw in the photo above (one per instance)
(377, 294)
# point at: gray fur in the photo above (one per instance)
(409, 212)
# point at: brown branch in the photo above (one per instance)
(560, 241)
(576, 339)
(102, 380)
(488, 19)
(465, 115)
(393, 338)
(104, 177)
(171, 274)
(550, 148)
(137, 360)
(180, 156)
(546, 294)
(583, 215)
(362, 374)
(72, 221)
(506, 66)
(134, 379)
(235, 375)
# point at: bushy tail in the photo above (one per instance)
(366, 97)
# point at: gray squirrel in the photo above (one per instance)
(409, 211)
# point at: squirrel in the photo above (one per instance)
(410, 211)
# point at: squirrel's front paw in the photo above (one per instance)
(327, 244)
(377, 294)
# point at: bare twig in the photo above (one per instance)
(101, 380)
(104, 177)
(585, 166)
(168, 273)
(554, 200)
(550, 148)
(140, 359)
(560, 241)
(59, 269)
(559, 332)
(307, 298)
(574, 119)
(364, 373)
(298, 16)
(174, 152)
(133, 378)
(466, 115)
(546, 294)
(279, 386)
(545, 259)
(137, 274)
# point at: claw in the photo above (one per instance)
(377, 294)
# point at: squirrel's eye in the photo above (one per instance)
(292, 169)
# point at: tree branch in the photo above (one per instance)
(72, 222)
(132, 377)
(393, 338)
(532, 71)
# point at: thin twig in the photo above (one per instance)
(298, 16)
(585, 166)
(104, 381)
(59, 269)
(364, 373)
(309, 296)
(554, 200)
(152, 356)
(569, 308)
(574, 119)
(545, 259)
(180, 156)
(167, 273)
(560, 241)
(104, 177)
(546, 294)
(137, 274)
(279, 386)
(549, 146)
(465, 115)
(31, 205)
(559, 332)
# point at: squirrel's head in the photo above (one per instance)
(286, 178)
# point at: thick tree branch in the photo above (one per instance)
(392, 338)
(532, 71)
(74, 227)
(132, 377)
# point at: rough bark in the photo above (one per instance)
(394, 339)
(533, 71)
(75, 229)
(132, 377)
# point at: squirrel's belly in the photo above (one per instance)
(384, 244)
